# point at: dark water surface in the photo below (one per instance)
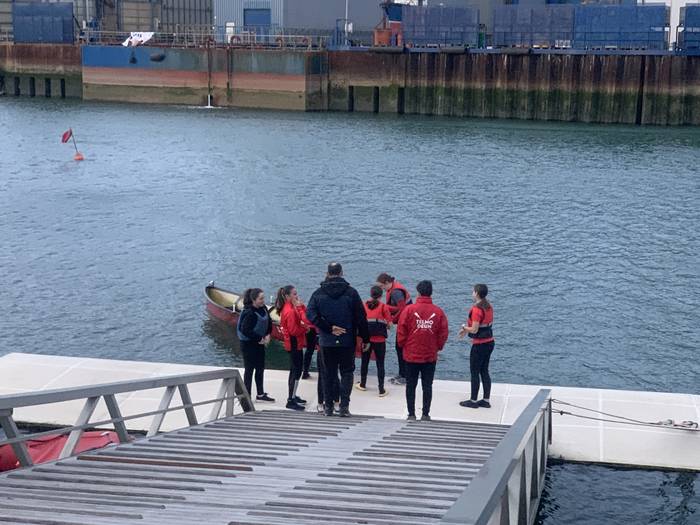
(587, 235)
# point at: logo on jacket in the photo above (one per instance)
(424, 324)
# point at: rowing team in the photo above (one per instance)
(343, 326)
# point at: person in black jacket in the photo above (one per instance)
(254, 329)
(337, 311)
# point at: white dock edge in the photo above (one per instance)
(574, 439)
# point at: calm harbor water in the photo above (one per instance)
(588, 237)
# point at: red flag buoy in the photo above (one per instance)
(68, 135)
(78, 156)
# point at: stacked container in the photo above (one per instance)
(39, 22)
(621, 27)
(539, 26)
(444, 26)
(689, 37)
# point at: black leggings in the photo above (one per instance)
(479, 358)
(427, 373)
(379, 350)
(311, 338)
(321, 381)
(254, 361)
(296, 363)
(402, 363)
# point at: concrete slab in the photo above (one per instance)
(575, 438)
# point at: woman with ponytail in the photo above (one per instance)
(379, 321)
(294, 330)
(479, 329)
(254, 328)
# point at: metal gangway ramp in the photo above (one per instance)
(276, 467)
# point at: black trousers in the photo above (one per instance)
(296, 363)
(321, 381)
(479, 358)
(427, 374)
(254, 362)
(402, 363)
(379, 350)
(338, 360)
(311, 340)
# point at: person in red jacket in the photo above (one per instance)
(479, 328)
(288, 307)
(422, 333)
(397, 298)
(379, 321)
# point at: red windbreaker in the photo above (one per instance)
(422, 331)
(293, 327)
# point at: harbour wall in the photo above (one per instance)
(661, 89)
(46, 70)
(601, 88)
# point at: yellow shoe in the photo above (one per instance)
(360, 387)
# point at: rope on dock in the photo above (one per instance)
(691, 426)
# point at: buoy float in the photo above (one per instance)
(78, 156)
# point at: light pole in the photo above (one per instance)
(346, 21)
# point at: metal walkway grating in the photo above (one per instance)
(271, 467)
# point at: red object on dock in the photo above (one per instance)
(48, 448)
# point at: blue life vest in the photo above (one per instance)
(261, 326)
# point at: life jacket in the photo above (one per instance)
(261, 325)
(376, 321)
(485, 331)
(396, 285)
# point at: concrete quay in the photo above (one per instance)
(574, 438)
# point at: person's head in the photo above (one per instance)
(375, 292)
(284, 295)
(253, 297)
(425, 288)
(479, 294)
(385, 281)
(335, 269)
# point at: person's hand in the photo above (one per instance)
(266, 340)
(338, 330)
(365, 347)
(462, 332)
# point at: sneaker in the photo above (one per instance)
(320, 408)
(328, 411)
(484, 403)
(344, 412)
(306, 375)
(399, 381)
(360, 386)
(394, 379)
(383, 393)
(411, 417)
(336, 407)
(425, 417)
(469, 404)
(264, 397)
(293, 405)
(299, 400)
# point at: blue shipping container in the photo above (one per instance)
(40, 22)
(621, 27)
(689, 36)
(447, 26)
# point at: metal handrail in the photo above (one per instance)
(231, 388)
(520, 458)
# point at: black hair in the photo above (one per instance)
(482, 291)
(250, 295)
(385, 278)
(425, 288)
(282, 295)
(375, 293)
(335, 269)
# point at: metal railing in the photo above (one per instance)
(507, 489)
(211, 37)
(230, 389)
